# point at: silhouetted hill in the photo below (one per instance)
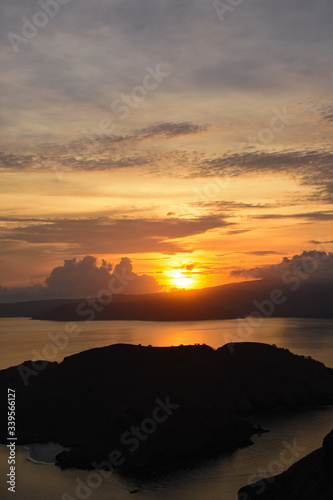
(310, 478)
(268, 298)
(181, 400)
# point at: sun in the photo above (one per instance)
(182, 279)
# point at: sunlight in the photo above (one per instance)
(181, 279)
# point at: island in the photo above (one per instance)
(135, 407)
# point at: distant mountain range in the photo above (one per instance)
(266, 298)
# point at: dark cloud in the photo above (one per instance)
(88, 55)
(84, 278)
(237, 231)
(16, 161)
(265, 161)
(79, 277)
(105, 235)
(311, 167)
(320, 242)
(171, 130)
(316, 265)
(327, 112)
(189, 266)
(309, 216)
(98, 151)
(233, 205)
(262, 252)
(135, 284)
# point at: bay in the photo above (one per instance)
(291, 436)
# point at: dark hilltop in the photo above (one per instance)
(144, 406)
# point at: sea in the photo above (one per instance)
(292, 434)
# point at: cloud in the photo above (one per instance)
(135, 284)
(327, 112)
(262, 252)
(227, 206)
(266, 161)
(237, 231)
(310, 216)
(317, 265)
(96, 150)
(105, 235)
(312, 167)
(171, 130)
(189, 266)
(85, 57)
(84, 278)
(320, 242)
(79, 277)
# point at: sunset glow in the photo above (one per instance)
(182, 279)
(166, 248)
(190, 167)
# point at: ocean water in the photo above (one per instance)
(22, 338)
(291, 436)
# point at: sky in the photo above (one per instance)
(186, 141)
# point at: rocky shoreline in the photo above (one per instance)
(311, 478)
